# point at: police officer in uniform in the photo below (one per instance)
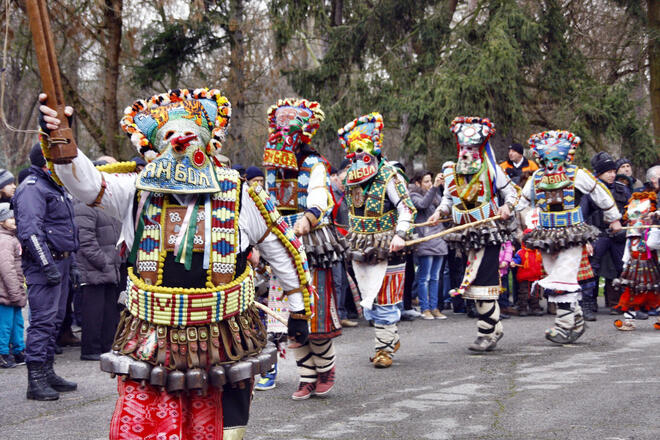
(607, 258)
(48, 235)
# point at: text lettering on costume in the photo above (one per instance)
(554, 178)
(181, 173)
(361, 172)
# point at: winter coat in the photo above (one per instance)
(44, 223)
(98, 258)
(12, 290)
(426, 203)
(506, 254)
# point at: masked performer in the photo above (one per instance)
(640, 279)
(562, 233)
(297, 178)
(190, 340)
(380, 213)
(472, 189)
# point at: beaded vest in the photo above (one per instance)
(555, 197)
(484, 205)
(370, 211)
(290, 192)
(213, 231)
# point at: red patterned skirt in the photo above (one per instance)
(147, 412)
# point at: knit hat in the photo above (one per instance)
(5, 212)
(37, 156)
(516, 147)
(621, 162)
(5, 178)
(602, 162)
(253, 172)
(22, 174)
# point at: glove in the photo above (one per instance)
(75, 277)
(298, 329)
(53, 275)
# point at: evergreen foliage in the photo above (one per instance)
(421, 64)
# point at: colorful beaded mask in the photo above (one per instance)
(178, 134)
(362, 140)
(472, 134)
(639, 206)
(554, 148)
(291, 122)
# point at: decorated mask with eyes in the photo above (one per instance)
(291, 123)
(179, 133)
(554, 149)
(640, 205)
(362, 141)
(472, 134)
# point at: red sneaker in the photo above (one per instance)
(326, 382)
(305, 391)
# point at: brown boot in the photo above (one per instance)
(523, 298)
(612, 297)
(552, 308)
(383, 359)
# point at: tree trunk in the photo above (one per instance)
(237, 73)
(112, 25)
(654, 62)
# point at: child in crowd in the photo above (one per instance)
(12, 292)
(530, 269)
(506, 255)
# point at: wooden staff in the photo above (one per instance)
(63, 147)
(417, 225)
(268, 311)
(640, 227)
(450, 230)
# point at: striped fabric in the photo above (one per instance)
(391, 291)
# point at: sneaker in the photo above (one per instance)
(437, 314)
(19, 358)
(7, 361)
(267, 382)
(305, 391)
(326, 382)
(483, 343)
(426, 314)
(348, 323)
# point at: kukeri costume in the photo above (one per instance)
(297, 178)
(471, 192)
(379, 208)
(190, 339)
(640, 279)
(562, 233)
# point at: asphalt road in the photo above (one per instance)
(606, 387)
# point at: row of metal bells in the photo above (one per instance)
(196, 379)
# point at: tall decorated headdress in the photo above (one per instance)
(179, 133)
(475, 155)
(291, 122)
(362, 140)
(364, 132)
(208, 108)
(560, 145)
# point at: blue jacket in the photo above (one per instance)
(44, 219)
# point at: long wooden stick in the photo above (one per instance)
(450, 230)
(417, 225)
(268, 311)
(63, 147)
(641, 227)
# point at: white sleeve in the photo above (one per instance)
(600, 195)
(527, 195)
(445, 204)
(506, 186)
(653, 240)
(405, 214)
(252, 227)
(83, 181)
(317, 192)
